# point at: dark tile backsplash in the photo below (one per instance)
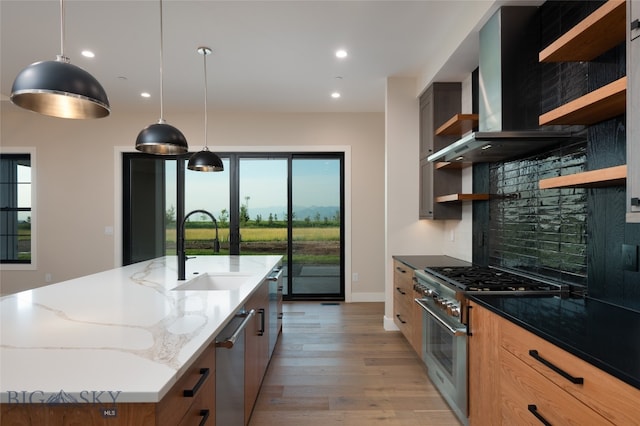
(542, 232)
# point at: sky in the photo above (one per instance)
(264, 181)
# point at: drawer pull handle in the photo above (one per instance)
(231, 340)
(574, 380)
(261, 330)
(399, 269)
(534, 410)
(400, 291)
(205, 416)
(189, 393)
(401, 320)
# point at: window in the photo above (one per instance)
(16, 209)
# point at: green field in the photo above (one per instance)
(260, 234)
(318, 245)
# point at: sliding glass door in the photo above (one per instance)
(281, 203)
(316, 228)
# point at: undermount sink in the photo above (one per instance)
(215, 281)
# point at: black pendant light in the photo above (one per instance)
(60, 89)
(205, 160)
(161, 138)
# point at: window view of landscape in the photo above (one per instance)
(263, 186)
(15, 211)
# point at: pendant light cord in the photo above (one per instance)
(61, 56)
(161, 64)
(206, 91)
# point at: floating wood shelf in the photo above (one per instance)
(461, 197)
(458, 125)
(597, 33)
(601, 104)
(610, 176)
(452, 165)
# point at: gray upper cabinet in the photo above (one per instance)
(438, 104)
(633, 111)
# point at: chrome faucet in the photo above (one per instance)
(182, 257)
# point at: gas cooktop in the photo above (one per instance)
(478, 278)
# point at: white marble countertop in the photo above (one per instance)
(123, 335)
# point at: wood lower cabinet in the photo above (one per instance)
(417, 333)
(611, 398)
(528, 398)
(483, 366)
(256, 355)
(404, 307)
(174, 409)
(511, 381)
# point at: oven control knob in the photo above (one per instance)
(442, 302)
(455, 311)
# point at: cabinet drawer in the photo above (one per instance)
(402, 314)
(524, 392)
(174, 406)
(202, 410)
(610, 397)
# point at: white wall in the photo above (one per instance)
(405, 234)
(457, 241)
(78, 193)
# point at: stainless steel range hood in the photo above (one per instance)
(486, 147)
(508, 91)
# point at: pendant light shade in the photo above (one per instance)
(60, 89)
(205, 160)
(161, 138)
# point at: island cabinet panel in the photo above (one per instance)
(174, 409)
(256, 357)
(483, 366)
(198, 381)
(143, 414)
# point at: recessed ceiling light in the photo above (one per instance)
(145, 95)
(88, 54)
(335, 95)
(341, 53)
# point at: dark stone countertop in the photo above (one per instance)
(601, 334)
(421, 262)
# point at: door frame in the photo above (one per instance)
(345, 149)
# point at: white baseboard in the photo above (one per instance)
(367, 297)
(389, 325)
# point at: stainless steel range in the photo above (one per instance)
(444, 291)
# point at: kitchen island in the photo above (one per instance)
(125, 335)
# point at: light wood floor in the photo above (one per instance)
(336, 365)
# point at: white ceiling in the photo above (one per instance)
(268, 55)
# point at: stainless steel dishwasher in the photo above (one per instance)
(230, 371)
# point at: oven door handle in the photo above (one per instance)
(454, 331)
